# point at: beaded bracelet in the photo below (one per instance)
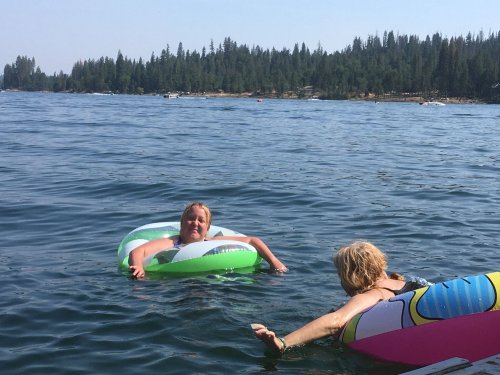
(284, 344)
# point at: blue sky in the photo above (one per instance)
(58, 33)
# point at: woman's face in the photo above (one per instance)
(194, 228)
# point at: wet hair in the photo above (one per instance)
(359, 265)
(197, 204)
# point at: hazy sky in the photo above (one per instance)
(58, 33)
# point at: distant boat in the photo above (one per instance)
(432, 103)
(171, 96)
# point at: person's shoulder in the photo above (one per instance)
(368, 298)
(392, 284)
(357, 304)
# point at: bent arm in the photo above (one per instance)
(261, 248)
(323, 326)
(137, 255)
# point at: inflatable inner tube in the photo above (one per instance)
(197, 257)
(456, 318)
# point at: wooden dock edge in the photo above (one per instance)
(460, 366)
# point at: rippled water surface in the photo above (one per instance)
(78, 172)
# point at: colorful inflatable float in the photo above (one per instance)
(457, 318)
(198, 257)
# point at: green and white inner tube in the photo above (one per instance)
(197, 257)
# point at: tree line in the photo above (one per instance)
(463, 67)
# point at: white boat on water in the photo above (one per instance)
(171, 96)
(102, 93)
(432, 103)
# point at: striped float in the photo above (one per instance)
(198, 257)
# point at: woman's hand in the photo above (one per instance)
(268, 337)
(137, 271)
(277, 266)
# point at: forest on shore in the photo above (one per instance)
(392, 66)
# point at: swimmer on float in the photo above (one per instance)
(362, 270)
(195, 223)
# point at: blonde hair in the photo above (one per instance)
(359, 265)
(197, 204)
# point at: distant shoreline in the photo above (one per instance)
(369, 98)
(249, 95)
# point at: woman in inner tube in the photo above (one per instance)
(362, 270)
(195, 223)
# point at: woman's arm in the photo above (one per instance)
(323, 326)
(261, 248)
(137, 255)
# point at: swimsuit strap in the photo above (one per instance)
(409, 286)
(178, 242)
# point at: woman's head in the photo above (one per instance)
(195, 222)
(208, 214)
(359, 265)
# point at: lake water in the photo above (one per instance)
(78, 172)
